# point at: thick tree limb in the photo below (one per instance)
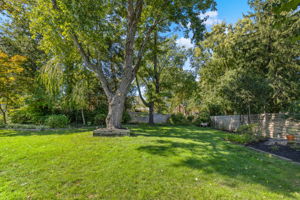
(86, 58)
(104, 83)
(82, 52)
(133, 19)
(96, 68)
(134, 15)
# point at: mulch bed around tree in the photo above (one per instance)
(289, 151)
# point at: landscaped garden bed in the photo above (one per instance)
(250, 136)
(290, 151)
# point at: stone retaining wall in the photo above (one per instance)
(271, 125)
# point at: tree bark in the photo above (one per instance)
(249, 113)
(155, 65)
(115, 112)
(150, 105)
(83, 117)
(151, 113)
(132, 63)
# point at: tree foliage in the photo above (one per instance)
(10, 84)
(251, 64)
(111, 37)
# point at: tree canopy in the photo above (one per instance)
(82, 58)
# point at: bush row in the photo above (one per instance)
(246, 134)
(51, 121)
(26, 116)
(26, 126)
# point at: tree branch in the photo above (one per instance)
(104, 82)
(82, 52)
(143, 45)
(86, 58)
(96, 68)
(140, 93)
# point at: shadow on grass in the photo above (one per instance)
(15, 133)
(203, 149)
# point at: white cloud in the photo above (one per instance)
(212, 18)
(184, 42)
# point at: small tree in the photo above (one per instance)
(10, 85)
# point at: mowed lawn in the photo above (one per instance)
(160, 162)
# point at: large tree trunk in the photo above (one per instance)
(115, 112)
(116, 99)
(151, 113)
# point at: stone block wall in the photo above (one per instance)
(275, 125)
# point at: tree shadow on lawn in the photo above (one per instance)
(184, 132)
(15, 133)
(210, 154)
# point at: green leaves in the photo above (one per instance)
(251, 63)
(287, 6)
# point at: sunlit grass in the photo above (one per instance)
(157, 162)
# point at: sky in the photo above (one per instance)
(229, 11)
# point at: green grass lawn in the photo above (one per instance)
(156, 163)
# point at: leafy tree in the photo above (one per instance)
(182, 91)
(16, 38)
(10, 85)
(162, 57)
(279, 55)
(72, 87)
(100, 29)
(234, 58)
(244, 90)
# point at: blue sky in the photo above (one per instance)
(229, 11)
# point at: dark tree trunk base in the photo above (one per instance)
(105, 132)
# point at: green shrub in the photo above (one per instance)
(20, 116)
(126, 117)
(178, 119)
(190, 118)
(38, 119)
(27, 115)
(57, 121)
(99, 119)
(246, 134)
(203, 117)
(248, 129)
